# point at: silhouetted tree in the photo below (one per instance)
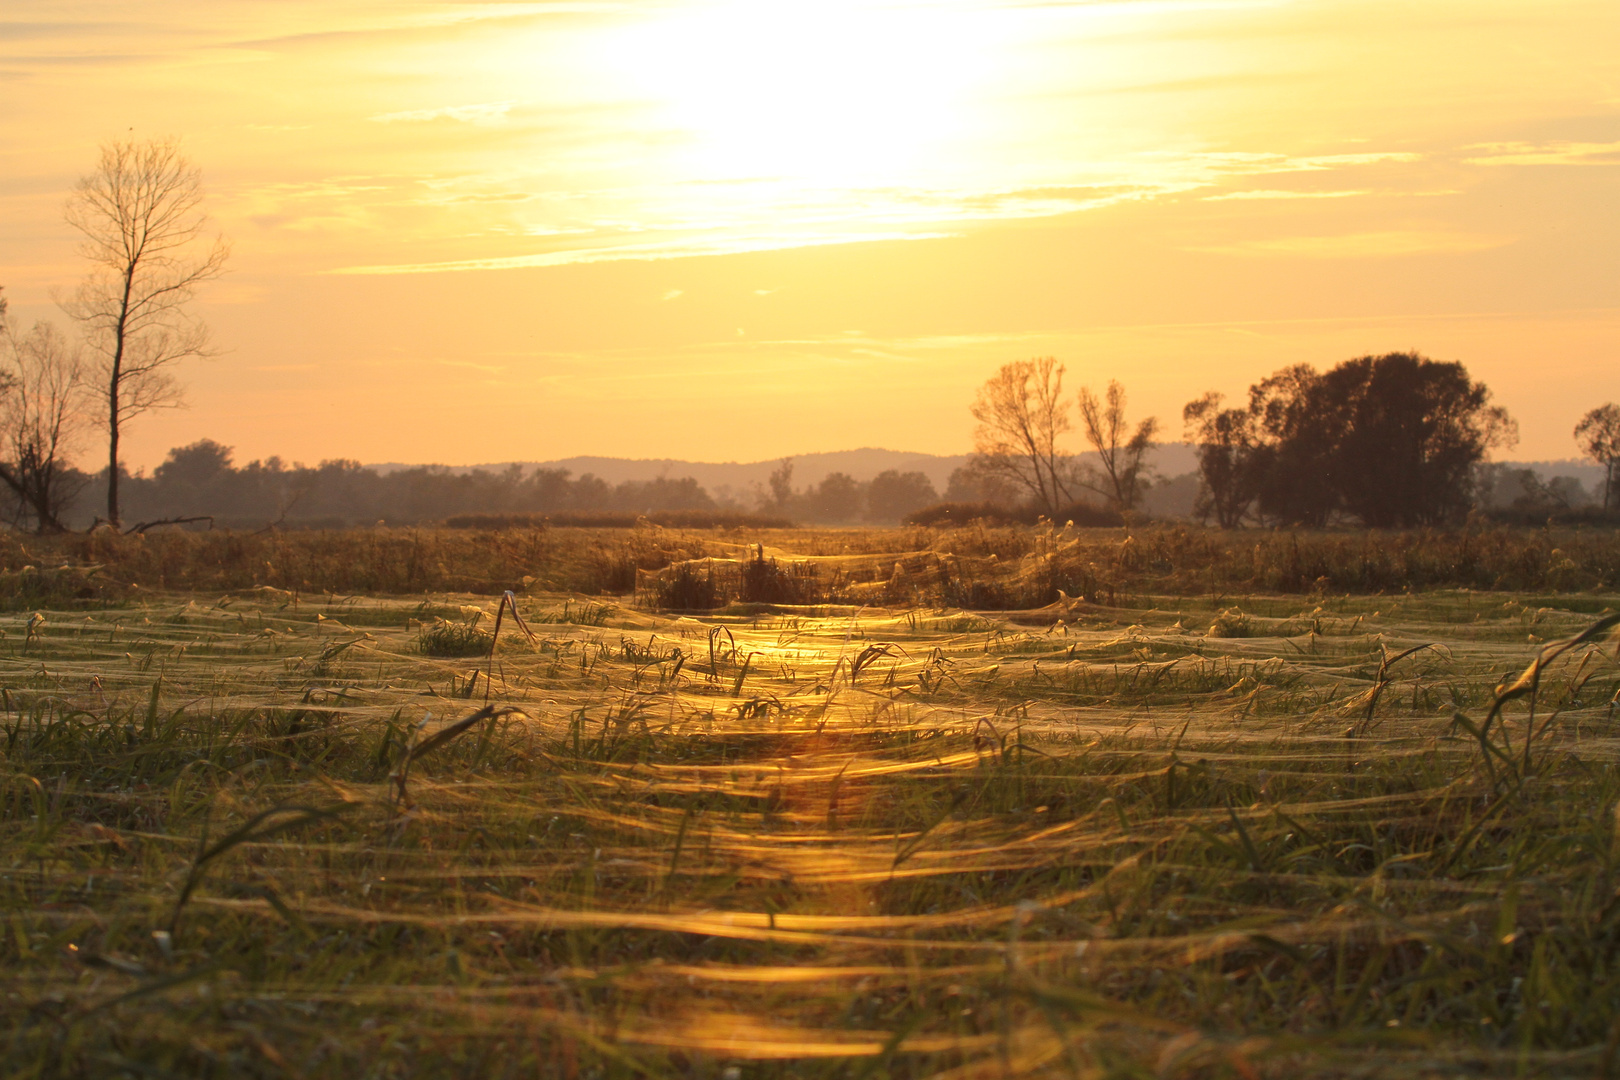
(893, 494)
(198, 465)
(1290, 468)
(1021, 416)
(967, 485)
(1411, 431)
(837, 498)
(781, 483)
(647, 496)
(139, 213)
(1390, 440)
(1519, 493)
(43, 415)
(1598, 435)
(1225, 442)
(1119, 476)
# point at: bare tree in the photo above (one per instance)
(141, 214)
(1021, 416)
(1120, 474)
(1598, 434)
(43, 414)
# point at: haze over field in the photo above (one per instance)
(736, 231)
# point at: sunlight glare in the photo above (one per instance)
(840, 93)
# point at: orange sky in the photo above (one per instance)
(736, 230)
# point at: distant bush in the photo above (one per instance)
(689, 586)
(959, 513)
(765, 582)
(1541, 514)
(669, 519)
(72, 586)
(1231, 623)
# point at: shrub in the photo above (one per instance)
(688, 586)
(957, 513)
(764, 582)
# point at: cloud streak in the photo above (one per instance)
(650, 252)
(1362, 245)
(1552, 153)
(489, 112)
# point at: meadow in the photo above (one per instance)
(730, 804)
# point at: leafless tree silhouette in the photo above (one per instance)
(1120, 474)
(44, 406)
(1021, 416)
(140, 213)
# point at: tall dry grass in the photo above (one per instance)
(976, 567)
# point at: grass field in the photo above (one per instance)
(1193, 833)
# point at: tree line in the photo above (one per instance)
(1390, 441)
(201, 484)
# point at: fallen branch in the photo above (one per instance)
(143, 526)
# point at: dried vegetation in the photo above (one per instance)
(1212, 829)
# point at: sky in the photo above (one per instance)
(743, 229)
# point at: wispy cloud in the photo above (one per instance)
(1341, 161)
(1552, 153)
(671, 249)
(489, 112)
(1363, 245)
(1230, 195)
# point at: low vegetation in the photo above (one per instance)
(1219, 810)
(979, 565)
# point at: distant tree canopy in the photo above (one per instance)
(203, 480)
(1389, 441)
(840, 499)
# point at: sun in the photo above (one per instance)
(831, 93)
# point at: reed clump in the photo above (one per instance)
(444, 637)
